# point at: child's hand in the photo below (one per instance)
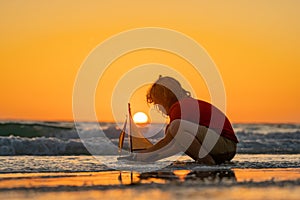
(131, 157)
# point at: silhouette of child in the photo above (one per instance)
(196, 127)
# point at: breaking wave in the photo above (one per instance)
(61, 138)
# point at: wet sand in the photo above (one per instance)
(271, 183)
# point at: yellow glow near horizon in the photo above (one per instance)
(140, 118)
(255, 45)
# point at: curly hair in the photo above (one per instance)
(166, 91)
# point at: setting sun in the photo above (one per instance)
(140, 118)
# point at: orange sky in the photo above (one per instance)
(255, 45)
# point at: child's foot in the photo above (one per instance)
(207, 160)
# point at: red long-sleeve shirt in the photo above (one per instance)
(202, 113)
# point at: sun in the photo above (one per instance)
(140, 118)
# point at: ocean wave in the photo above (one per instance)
(273, 143)
(62, 138)
(37, 129)
(66, 130)
(15, 145)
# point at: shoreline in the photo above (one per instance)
(258, 184)
(257, 177)
(60, 181)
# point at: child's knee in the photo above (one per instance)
(174, 127)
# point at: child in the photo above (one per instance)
(196, 127)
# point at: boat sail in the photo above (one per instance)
(137, 140)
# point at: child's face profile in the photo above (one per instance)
(160, 105)
(161, 108)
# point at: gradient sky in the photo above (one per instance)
(255, 44)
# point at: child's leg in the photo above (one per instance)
(185, 135)
(204, 145)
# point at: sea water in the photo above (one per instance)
(46, 160)
(61, 146)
